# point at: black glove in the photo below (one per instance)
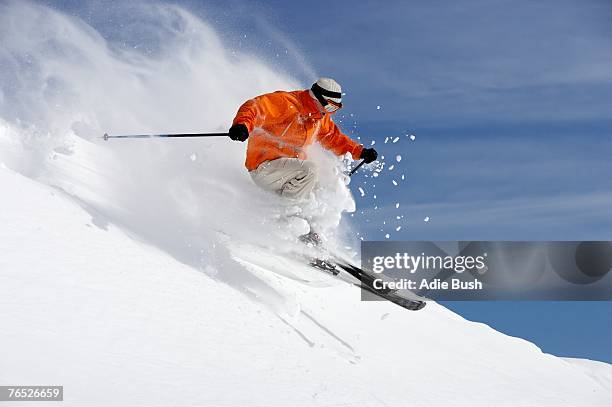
(239, 132)
(368, 155)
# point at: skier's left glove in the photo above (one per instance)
(368, 155)
(239, 132)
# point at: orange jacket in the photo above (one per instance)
(283, 124)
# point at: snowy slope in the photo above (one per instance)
(121, 322)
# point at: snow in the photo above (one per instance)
(118, 321)
(125, 269)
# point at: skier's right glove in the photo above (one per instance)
(239, 132)
(368, 155)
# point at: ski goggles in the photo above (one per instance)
(332, 106)
(322, 96)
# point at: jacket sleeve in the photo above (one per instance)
(334, 140)
(254, 112)
(248, 114)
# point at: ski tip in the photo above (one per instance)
(416, 305)
(411, 305)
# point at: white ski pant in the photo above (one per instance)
(289, 177)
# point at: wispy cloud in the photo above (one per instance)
(568, 217)
(466, 60)
(492, 186)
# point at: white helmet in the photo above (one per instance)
(328, 92)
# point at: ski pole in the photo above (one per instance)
(356, 168)
(106, 136)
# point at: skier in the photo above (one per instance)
(280, 126)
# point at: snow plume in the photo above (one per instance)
(63, 84)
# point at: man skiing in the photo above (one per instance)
(281, 125)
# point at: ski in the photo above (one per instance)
(324, 261)
(366, 282)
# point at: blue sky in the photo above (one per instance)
(511, 106)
